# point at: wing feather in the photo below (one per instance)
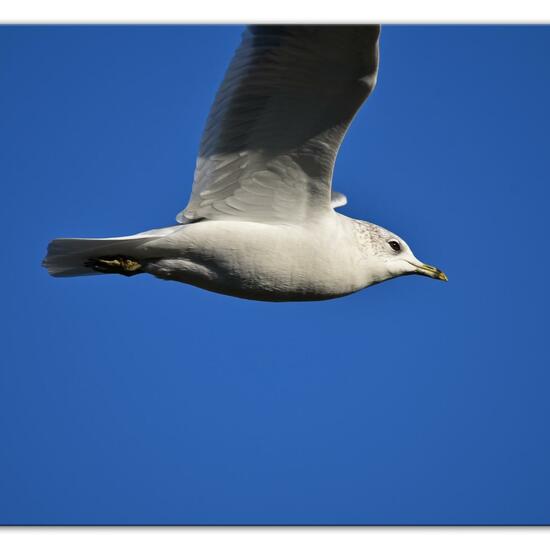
(279, 117)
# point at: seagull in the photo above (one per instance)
(261, 222)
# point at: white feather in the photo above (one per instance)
(66, 257)
(268, 150)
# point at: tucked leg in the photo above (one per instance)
(123, 265)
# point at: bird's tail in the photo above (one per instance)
(77, 257)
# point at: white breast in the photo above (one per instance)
(262, 261)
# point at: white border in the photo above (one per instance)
(239, 11)
(284, 11)
(273, 538)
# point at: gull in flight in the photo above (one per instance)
(261, 221)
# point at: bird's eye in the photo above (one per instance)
(395, 245)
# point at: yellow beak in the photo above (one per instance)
(431, 271)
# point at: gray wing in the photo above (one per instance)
(289, 95)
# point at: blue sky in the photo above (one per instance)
(143, 401)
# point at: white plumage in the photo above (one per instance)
(260, 222)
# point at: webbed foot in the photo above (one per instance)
(122, 265)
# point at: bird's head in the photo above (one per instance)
(389, 256)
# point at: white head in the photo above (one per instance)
(388, 255)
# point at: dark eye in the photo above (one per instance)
(395, 245)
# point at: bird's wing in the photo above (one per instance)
(289, 95)
(337, 199)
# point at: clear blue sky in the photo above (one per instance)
(143, 401)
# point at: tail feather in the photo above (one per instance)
(69, 257)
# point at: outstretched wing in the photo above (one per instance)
(289, 95)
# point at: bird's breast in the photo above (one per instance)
(259, 261)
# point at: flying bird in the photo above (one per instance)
(261, 222)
